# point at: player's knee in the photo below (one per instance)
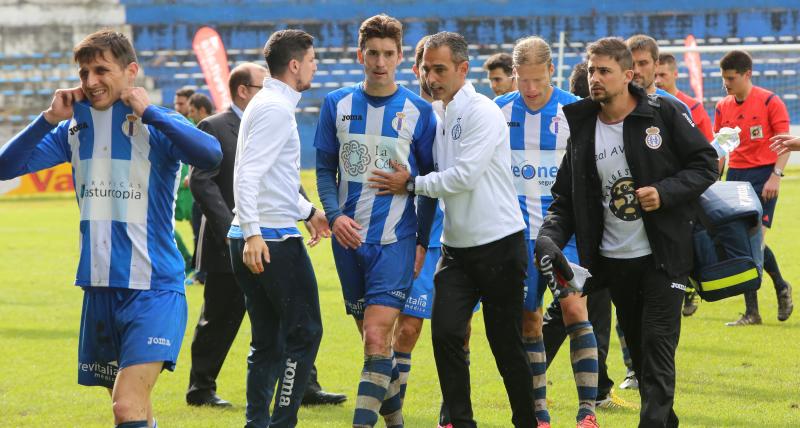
(574, 310)
(532, 324)
(409, 328)
(377, 340)
(126, 410)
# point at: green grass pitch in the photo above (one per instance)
(726, 377)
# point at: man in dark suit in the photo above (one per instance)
(223, 307)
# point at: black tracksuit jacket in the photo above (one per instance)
(681, 169)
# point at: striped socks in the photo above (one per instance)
(534, 346)
(375, 379)
(583, 355)
(392, 407)
(404, 365)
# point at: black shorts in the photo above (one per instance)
(757, 176)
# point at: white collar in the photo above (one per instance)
(287, 91)
(462, 97)
(237, 110)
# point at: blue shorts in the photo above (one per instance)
(535, 284)
(758, 177)
(420, 297)
(375, 274)
(122, 327)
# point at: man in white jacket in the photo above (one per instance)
(269, 260)
(484, 255)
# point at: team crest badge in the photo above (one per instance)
(554, 125)
(653, 139)
(130, 126)
(397, 122)
(456, 131)
(756, 132)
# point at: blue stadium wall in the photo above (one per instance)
(164, 31)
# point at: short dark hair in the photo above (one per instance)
(499, 60)
(284, 46)
(578, 80)
(419, 50)
(101, 41)
(382, 27)
(667, 59)
(736, 60)
(198, 100)
(643, 42)
(185, 92)
(614, 48)
(459, 50)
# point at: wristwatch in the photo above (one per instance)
(410, 186)
(778, 172)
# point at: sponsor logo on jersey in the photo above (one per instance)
(159, 341)
(653, 138)
(513, 124)
(102, 189)
(78, 127)
(355, 157)
(530, 172)
(346, 117)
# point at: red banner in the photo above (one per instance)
(692, 60)
(213, 61)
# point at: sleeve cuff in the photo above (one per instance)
(42, 124)
(150, 113)
(250, 229)
(305, 207)
(419, 186)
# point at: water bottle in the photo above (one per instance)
(726, 141)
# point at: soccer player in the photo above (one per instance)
(645, 58)
(181, 100)
(420, 296)
(666, 76)
(125, 155)
(760, 114)
(538, 134)
(628, 195)
(365, 128)
(499, 72)
(200, 107)
(484, 256)
(269, 260)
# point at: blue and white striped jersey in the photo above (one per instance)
(365, 133)
(126, 176)
(538, 143)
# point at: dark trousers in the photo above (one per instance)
(220, 317)
(648, 306)
(493, 272)
(283, 305)
(554, 331)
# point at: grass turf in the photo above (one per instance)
(726, 377)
